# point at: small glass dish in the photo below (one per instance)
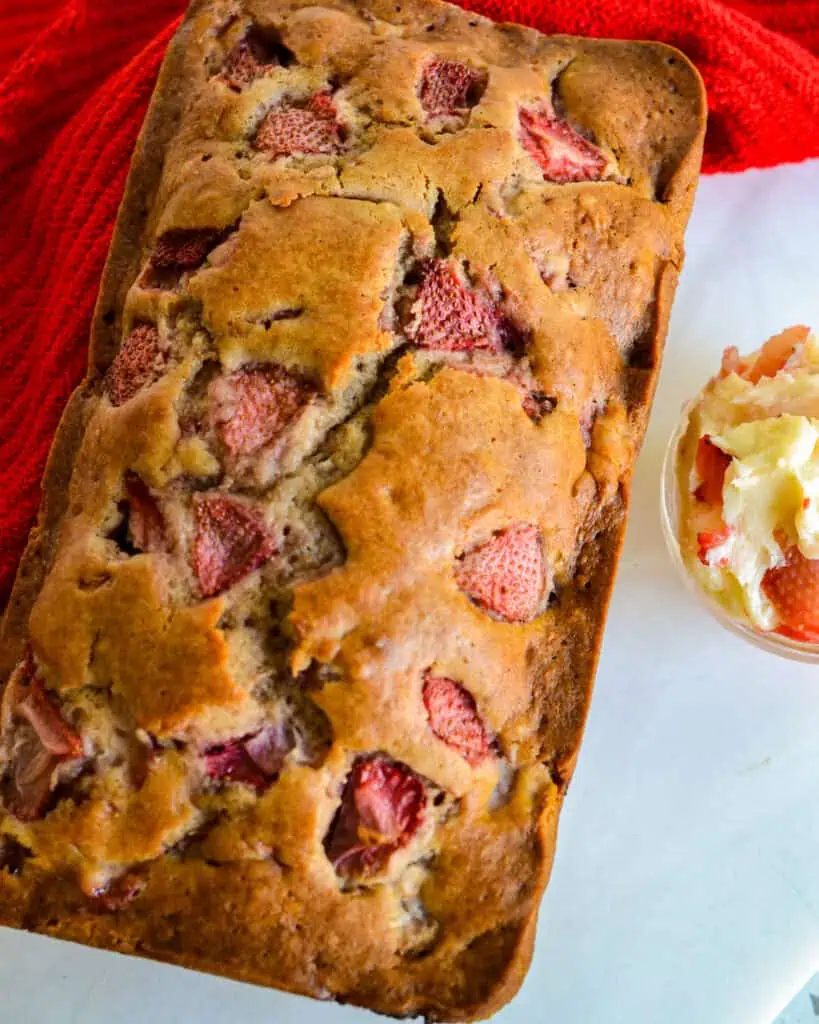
(794, 650)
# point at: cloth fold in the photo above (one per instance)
(75, 81)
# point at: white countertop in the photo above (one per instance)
(686, 884)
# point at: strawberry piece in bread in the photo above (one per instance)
(270, 746)
(139, 363)
(536, 404)
(381, 809)
(562, 154)
(793, 590)
(449, 88)
(117, 894)
(451, 316)
(38, 742)
(230, 762)
(247, 61)
(39, 710)
(309, 130)
(453, 717)
(250, 408)
(231, 540)
(184, 248)
(506, 575)
(255, 760)
(146, 525)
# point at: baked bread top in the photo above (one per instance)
(301, 650)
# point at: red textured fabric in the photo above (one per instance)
(75, 80)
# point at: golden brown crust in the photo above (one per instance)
(397, 460)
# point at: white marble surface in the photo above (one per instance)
(804, 1007)
(686, 883)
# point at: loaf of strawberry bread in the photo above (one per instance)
(299, 655)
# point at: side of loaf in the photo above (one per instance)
(300, 652)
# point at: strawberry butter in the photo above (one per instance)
(748, 478)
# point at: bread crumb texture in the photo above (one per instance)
(306, 659)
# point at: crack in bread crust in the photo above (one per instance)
(400, 293)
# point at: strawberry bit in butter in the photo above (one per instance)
(712, 462)
(748, 474)
(713, 535)
(711, 546)
(774, 356)
(793, 589)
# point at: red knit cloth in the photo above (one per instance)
(75, 80)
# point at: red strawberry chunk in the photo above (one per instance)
(252, 407)
(448, 315)
(449, 88)
(708, 541)
(255, 760)
(773, 356)
(453, 717)
(184, 249)
(321, 104)
(230, 762)
(536, 404)
(146, 524)
(288, 130)
(31, 777)
(41, 741)
(269, 747)
(507, 574)
(39, 710)
(247, 61)
(712, 463)
(793, 590)
(732, 362)
(776, 352)
(382, 807)
(231, 540)
(562, 154)
(118, 893)
(140, 362)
